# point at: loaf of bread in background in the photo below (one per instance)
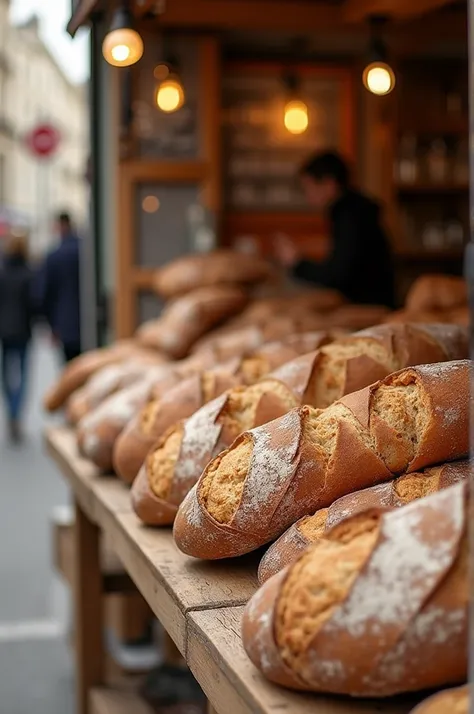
(318, 378)
(378, 607)
(274, 475)
(356, 317)
(436, 292)
(79, 370)
(449, 701)
(221, 267)
(392, 494)
(187, 318)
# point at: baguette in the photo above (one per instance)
(378, 607)
(393, 494)
(273, 475)
(318, 379)
(449, 701)
(436, 292)
(160, 413)
(187, 318)
(79, 370)
(98, 430)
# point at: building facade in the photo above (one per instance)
(33, 91)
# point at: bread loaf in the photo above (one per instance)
(356, 317)
(218, 268)
(160, 413)
(187, 318)
(392, 494)
(77, 372)
(436, 292)
(274, 475)
(449, 701)
(321, 377)
(378, 607)
(98, 430)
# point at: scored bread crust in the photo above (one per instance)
(397, 622)
(175, 404)
(288, 474)
(310, 529)
(449, 701)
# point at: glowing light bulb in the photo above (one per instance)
(170, 95)
(379, 78)
(122, 47)
(296, 117)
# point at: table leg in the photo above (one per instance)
(87, 609)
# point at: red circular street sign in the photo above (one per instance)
(43, 140)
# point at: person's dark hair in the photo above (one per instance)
(64, 218)
(327, 164)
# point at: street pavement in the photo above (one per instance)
(36, 674)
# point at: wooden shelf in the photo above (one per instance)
(115, 701)
(432, 188)
(426, 255)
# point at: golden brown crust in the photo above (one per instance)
(346, 447)
(436, 292)
(338, 619)
(393, 494)
(449, 701)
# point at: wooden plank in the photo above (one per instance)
(172, 583)
(358, 10)
(144, 170)
(113, 701)
(232, 684)
(89, 651)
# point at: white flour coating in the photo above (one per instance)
(294, 374)
(379, 596)
(264, 655)
(190, 507)
(140, 488)
(443, 370)
(120, 407)
(379, 496)
(201, 434)
(449, 416)
(91, 445)
(271, 466)
(447, 335)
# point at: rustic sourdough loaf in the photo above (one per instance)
(392, 494)
(273, 475)
(378, 607)
(449, 701)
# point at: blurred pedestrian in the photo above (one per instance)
(60, 289)
(16, 318)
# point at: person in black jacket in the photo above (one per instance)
(359, 263)
(16, 317)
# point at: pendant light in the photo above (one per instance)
(295, 117)
(378, 76)
(169, 91)
(122, 45)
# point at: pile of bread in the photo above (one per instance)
(347, 453)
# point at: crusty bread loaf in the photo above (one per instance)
(449, 701)
(321, 377)
(199, 270)
(356, 317)
(274, 475)
(160, 413)
(187, 318)
(77, 372)
(98, 430)
(436, 292)
(378, 607)
(392, 494)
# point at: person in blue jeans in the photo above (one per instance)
(16, 318)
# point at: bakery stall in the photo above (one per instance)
(282, 489)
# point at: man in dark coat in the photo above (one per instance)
(60, 289)
(16, 317)
(359, 264)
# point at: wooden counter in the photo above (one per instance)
(198, 603)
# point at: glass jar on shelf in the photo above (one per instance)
(432, 236)
(453, 233)
(407, 163)
(461, 162)
(437, 161)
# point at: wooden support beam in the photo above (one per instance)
(359, 10)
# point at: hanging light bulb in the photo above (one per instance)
(122, 45)
(378, 76)
(169, 92)
(296, 117)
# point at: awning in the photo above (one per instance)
(80, 15)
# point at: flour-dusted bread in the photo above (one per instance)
(187, 318)
(162, 412)
(449, 701)
(392, 494)
(436, 292)
(378, 607)
(79, 370)
(273, 475)
(221, 267)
